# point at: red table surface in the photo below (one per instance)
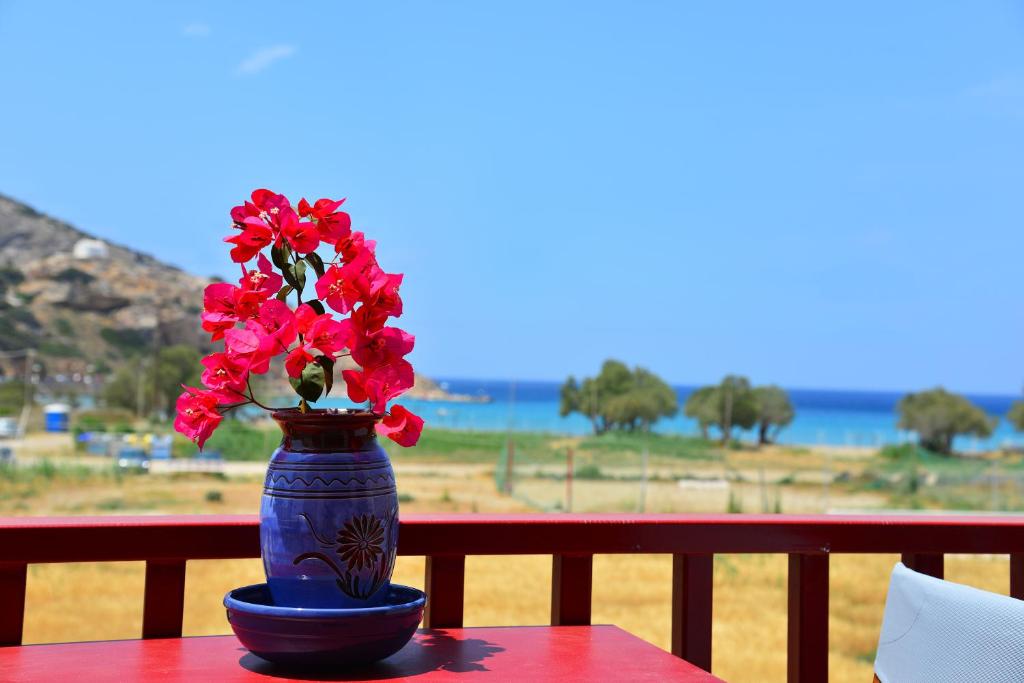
(522, 653)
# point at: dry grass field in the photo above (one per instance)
(104, 601)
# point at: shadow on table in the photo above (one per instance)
(429, 651)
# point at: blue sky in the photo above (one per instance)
(812, 195)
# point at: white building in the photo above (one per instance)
(89, 249)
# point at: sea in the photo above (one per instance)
(829, 417)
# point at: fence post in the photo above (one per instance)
(164, 599)
(692, 599)
(446, 585)
(12, 602)
(511, 451)
(571, 583)
(807, 659)
(568, 480)
(931, 564)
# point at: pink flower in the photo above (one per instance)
(224, 305)
(265, 205)
(380, 347)
(217, 323)
(302, 237)
(255, 235)
(241, 345)
(353, 246)
(277, 321)
(197, 414)
(401, 426)
(225, 376)
(379, 385)
(305, 316)
(343, 287)
(329, 336)
(333, 225)
(297, 360)
(263, 281)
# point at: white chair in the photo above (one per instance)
(937, 631)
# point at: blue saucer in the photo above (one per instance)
(323, 637)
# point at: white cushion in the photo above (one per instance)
(934, 630)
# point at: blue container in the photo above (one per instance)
(329, 513)
(323, 637)
(56, 417)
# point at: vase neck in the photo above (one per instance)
(326, 432)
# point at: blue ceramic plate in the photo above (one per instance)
(323, 637)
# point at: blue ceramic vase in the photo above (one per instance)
(329, 515)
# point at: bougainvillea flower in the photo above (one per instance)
(226, 376)
(277, 320)
(355, 384)
(331, 289)
(379, 385)
(265, 203)
(297, 360)
(305, 316)
(217, 323)
(387, 300)
(255, 235)
(264, 281)
(355, 245)
(333, 225)
(197, 414)
(241, 345)
(224, 305)
(301, 236)
(329, 336)
(401, 426)
(345, 286)
(256, 323)
(380, 347)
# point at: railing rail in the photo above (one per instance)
(166, 543)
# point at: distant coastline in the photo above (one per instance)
(834, 418)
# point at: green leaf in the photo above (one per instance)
(328, 365)
(295, 275)
(285, 291)
(314, 260)
(311, 384)
(320, 310)
(281, 256)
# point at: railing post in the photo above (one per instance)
(164, 603)
(808, 618)
(931, 564)
(445, 582)
(571, 584)
(692, 599)
(1017, 575)
(12, 602)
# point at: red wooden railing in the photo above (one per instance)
(166, 543)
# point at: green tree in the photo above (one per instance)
(736, 405)
(1016, 415)
(619, 398)
(13, 396)
(148, 385)
(730, 403)
(938, 416)
(701, 406)
(774, 412)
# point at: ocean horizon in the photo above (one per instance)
(833, 417)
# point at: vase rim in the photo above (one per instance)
(326, 416)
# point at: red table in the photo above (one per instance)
(515, 653)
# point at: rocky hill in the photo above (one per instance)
(82, 302)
